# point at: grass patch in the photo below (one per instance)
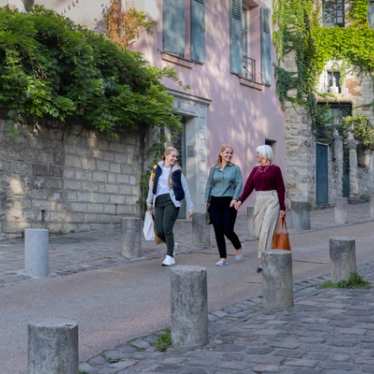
(164, 341)
(354, 281)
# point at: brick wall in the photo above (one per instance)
(71, 180)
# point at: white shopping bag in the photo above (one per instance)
(148, 229)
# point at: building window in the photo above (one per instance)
(333, 12)
(371, 13)
(333, 82)
(184, 29)
(248, 62)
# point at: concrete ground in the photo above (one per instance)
(114, 304)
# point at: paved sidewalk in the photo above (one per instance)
(79, 252)
(329, 331)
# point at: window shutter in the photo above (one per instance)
(173, 27)
(371, 14)
(236, 36)
(266, 50)
(198, 30)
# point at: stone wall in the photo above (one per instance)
(70, 180)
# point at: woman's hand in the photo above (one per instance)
(282, 214)
(237, 204)
(189, 215)
(233, 203)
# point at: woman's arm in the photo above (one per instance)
(249, 186)
(279, 186)
(238, 183)
(150, 194)
(209, 185)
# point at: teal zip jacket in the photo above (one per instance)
(226, 182)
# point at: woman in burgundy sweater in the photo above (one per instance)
(267, 180)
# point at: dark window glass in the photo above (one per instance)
(333, 12)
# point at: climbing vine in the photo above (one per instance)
(300, 35)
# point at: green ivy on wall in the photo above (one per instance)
(298, 31)
(53, 71)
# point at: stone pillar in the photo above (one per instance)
(277, 284)
(200, 231)
(36, 252)
(339, 163)
(343, 258)
(300, 213)
(353, 166)
(189, 306)
(53, 347)
(341, 211)
(131, 237)
(251, 222)
(371, 205)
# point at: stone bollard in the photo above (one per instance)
(251, 222)
(371, 206)
(343, 258)
(36, 252)
(189, 306)
(300, 212)
(131, 237)
(277, 285)
(200, 231)
(341, 211)
(53, 347)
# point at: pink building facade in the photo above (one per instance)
(223, 56)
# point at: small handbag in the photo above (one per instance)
(208, 220)
(281, 239)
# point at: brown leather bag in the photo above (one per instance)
(281, 238)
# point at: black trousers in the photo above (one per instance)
(223, 219)
(166, 214)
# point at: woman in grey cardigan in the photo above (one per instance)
(167, 188)
(222, 191)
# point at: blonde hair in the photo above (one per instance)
(222, 149)
(168, 150)
(265, 151)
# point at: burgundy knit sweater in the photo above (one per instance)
(265, 178)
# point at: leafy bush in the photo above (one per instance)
(52, 71)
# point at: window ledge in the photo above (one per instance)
(176, 60)
(248, 83)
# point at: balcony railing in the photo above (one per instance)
(249, 68)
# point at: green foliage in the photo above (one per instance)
(354, 281)
(54, 71)
(298, 31)
(164, 341)
(362, 129)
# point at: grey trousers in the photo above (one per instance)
(166, 214)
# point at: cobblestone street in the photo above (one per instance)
(84, 251)
(329, 331)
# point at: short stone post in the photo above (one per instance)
(343, 258)
(251, 222)
(371, 206)
(277, 285)
(53, 347)
(189, 306)
(36, 252)
(131, 237)
(200, 231)
(341, 211)
(300, 212)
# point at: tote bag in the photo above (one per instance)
(281, 239)
(148, 227)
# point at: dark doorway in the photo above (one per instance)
(322, 174)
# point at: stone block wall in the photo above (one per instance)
(66, 180)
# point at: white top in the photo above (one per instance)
(163, 181)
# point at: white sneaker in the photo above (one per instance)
(238, 257)
(168, 261)
(221, 262)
